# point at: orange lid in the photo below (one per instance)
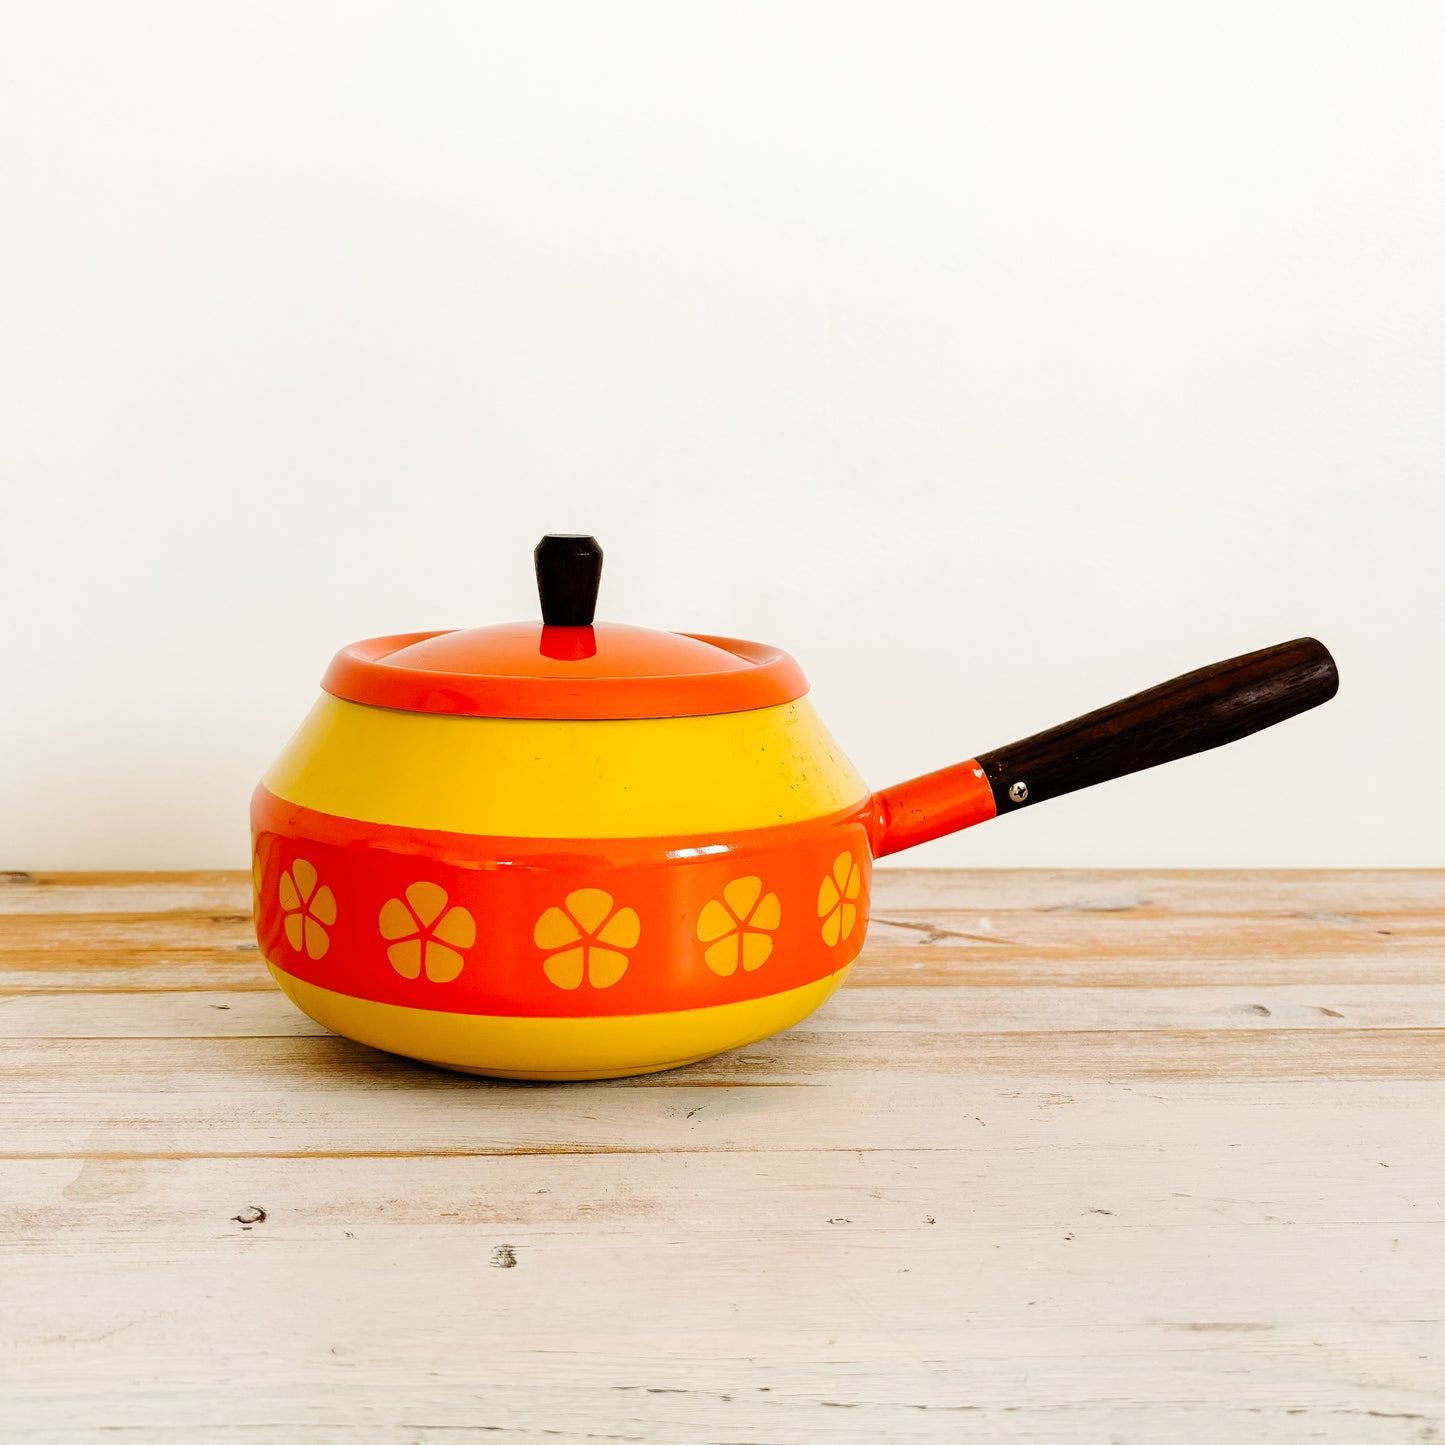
(564, 666)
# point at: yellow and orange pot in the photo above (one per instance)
(561, 850)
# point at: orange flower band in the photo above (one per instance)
(560, 927)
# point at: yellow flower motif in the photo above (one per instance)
(741, 924)
(835, 898)
(258, 874)
(573, 936)
(428, 934)
(308, 910)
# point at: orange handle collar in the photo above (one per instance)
(928, 807)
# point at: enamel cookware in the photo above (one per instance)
(568, 850)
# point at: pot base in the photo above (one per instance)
(507, 1047)
(557, 1077)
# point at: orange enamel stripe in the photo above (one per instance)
(563, 928)
(928, 807)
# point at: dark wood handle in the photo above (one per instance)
(1191, 714)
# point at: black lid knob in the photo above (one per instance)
(569, 567)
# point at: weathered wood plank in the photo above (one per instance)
(54, 1067)
(1282, 891)
(55, 1204)
(1192, 930)
(266, 1013)
(1197, 1422)
(42, 894)
(424, 1111)
(665, 1334)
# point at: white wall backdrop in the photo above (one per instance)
(997, 360)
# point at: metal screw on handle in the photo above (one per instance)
(1018, 792)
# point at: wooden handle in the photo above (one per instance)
(1191, 714)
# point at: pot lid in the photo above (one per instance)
(566, 665)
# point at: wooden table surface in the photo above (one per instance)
(1074, 1157)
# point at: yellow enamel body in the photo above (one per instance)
(555, 1048)
(528, 778)
(626, 778)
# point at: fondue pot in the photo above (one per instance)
(571, 849)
